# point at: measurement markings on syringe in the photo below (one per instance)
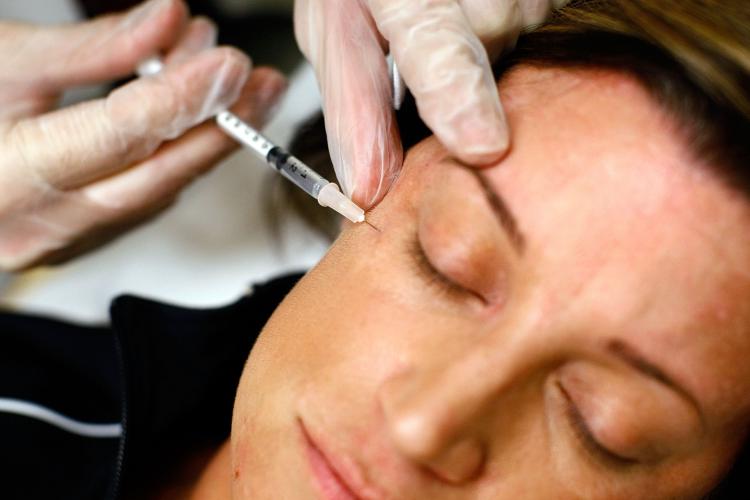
(327, 193)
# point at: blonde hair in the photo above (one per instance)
(709, 39)
(692, 55)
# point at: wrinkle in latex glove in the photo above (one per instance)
(440, 47)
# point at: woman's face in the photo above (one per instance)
(570, 322)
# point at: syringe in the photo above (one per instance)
(327, 193)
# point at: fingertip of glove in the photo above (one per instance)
(271, 89)
(206, 30)
(166, 16)
(483, 154)
(262, 95)
(234, 60)
(269, 79)
(231, 69)
(482, 143)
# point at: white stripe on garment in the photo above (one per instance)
(33, 410)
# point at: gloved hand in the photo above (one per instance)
(72, 178)
(439, 47)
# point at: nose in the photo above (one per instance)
(435, 414)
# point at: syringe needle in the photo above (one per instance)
(370, 224)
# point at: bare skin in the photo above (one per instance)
(582, 334)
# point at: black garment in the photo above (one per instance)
(166, 374)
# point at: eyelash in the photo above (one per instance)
(435, 278)
(585, 436)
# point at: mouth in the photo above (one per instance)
(330, 482)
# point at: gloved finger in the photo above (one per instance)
(447, 70)
(94, 139)
(105, 48)
(199, 35)
(363, 136)
(100, 210)
(497, 24)
(554, 4)
(137, 190)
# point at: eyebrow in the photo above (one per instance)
(636, 360)
(501, 211)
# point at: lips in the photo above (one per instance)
(329, 481)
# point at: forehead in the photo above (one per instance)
(626, 227)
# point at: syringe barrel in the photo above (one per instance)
(289, 166)
(293, 169)
(244, 134)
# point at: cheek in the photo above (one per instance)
(362, 313)
(363, 306)
(264, 445)
(342, 318)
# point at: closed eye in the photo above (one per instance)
(439, 281)
(586, 437)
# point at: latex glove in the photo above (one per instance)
(439, 47)
(72, 178)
